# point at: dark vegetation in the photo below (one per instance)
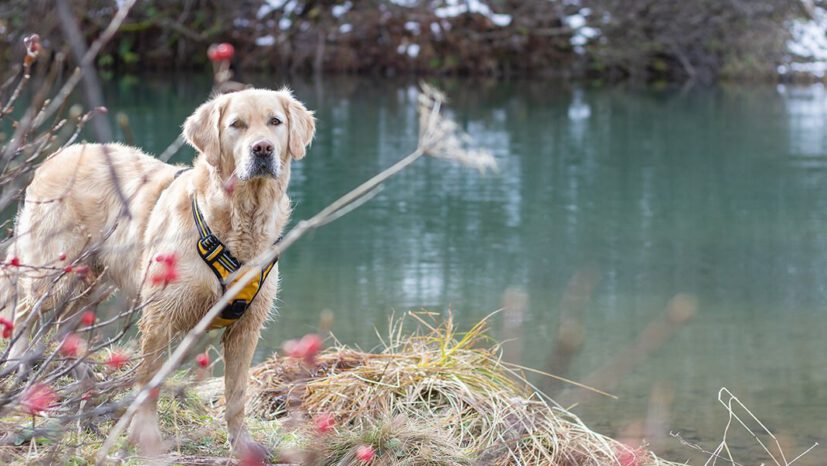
(646, 40)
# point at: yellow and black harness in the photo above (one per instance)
(223, 264)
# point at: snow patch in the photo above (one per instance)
(589, 32)
(345, 28)
(582, 33)
(411, 50)
(269, 6)
(340, 10)
(413, 27)
(265, 41)
(576, 21)
(285, 23)
(817, 69)
(807, 45)
(454, 8)
(578, 110)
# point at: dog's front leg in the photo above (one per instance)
(155, 337)
(240, 341)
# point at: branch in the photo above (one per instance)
(439, 137)
(94, 95)
(88, 60)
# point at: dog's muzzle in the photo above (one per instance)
(263, 166)
(262, 161)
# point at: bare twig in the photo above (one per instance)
(439, 137)
(733, 406)
(94, 95)
(88, 59)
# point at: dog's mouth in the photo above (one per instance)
(259, 167)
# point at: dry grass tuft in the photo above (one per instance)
(399, 440)
(446, 393)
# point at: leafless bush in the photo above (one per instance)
(699, 40)
(77, 366)
(73, 370)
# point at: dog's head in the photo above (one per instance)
(251, 133)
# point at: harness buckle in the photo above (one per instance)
(210, 243)
(235, 309)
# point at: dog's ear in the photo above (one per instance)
(201, 130)
(302, 127)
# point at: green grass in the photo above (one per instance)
(193, 430)
(434, 395)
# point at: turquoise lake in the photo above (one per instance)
(626, 197)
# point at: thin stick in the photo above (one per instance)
(431, 136)
(88, 59)
(94, 95)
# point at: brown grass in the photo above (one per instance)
(436, 395)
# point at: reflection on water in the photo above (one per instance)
(718, 194)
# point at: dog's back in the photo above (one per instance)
(74, 213)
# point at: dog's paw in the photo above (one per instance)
(145, 434)
(250, 451)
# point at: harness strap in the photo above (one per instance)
(218, 258)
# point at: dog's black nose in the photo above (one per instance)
(262, 148)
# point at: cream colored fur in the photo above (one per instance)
(72, 204)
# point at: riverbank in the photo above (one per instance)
(594, 39)
(436, 395)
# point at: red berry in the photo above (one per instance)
(168, 272)
(324, 423)
(311, 344)
(307, 348)
(168, 259)
(14, 261)
(62, 256)
(38, 398)
(81, 270)
(154, 393)
(203, 360)
(117, 360)
(629, 457)
(164, 278)
(8, 327)
(71, 344)
(32, 43)
(220, 52)
(290, 348)
(229, 185)
(87, 318)
(253, 457)
(365, 453)
(68, 269)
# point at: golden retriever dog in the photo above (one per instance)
(246, 141)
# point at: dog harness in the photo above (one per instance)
(216, 255)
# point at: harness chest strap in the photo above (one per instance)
(218, 258)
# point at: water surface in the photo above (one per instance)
(628, 197)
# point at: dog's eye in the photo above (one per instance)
(237, 124)
(275, 121)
